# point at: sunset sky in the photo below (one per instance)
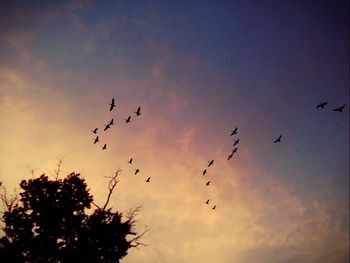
(198, 69)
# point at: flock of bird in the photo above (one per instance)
(321, 105)
(210, 163)
(111, 123)
(234, 132)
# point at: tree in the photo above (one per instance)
(49, 223)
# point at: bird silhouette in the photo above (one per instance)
(128, 119)
(96, 140)
(112, 104)
(138, 112)
(321, 105)
(234, 131)
(95, 130)
(107, 126)
(137, 171)
(148, 179)
(111, 122)
(104, 147)
(339, 109)
(214, 207)
(205, 171)
(233, 152)
(278, 139)
(211, 163)
(207, 202)
(208, 183)
(236, 142)
(130, 161)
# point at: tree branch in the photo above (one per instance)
(7, 202)
(111, 185)
(131, 215)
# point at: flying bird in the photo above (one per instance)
(107, 126)
(137, 171)
(111, 122)
(130, 161)
(233, 152)
(208, 183)
(128, 119)
(278, 139)
(95, 130)
(214, 207)
(234, 131)
(148, 179)
(96, 140)
(104, 147)
(112, 104)
(321, 105)
(211, 163)
(340, 109)
(205, 171)
(236, 142)
(138, 112)
(207, 202)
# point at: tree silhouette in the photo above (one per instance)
(49, 223)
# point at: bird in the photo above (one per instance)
(236, 142)
(111, 122)
(128, 119)
(234, 131)
(96, 140)
(137, 171)
(207, 202)
(278, 139)
(138, 112)
(95, 130)
(321, 105)
(148, 179)
(205, 171)
(211, 163)
(214, 207)
(233, 152)
(208, 183)
(104, 147)
(107, 126)
(339, 109)
(112, 104)
(130, 161)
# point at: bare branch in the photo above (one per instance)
(131, 218)
(99, 208)
(59, 169)
(135, 242)
(111, 185)
(132, 213)
(8, 202)
(32, 170)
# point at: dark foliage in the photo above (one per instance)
(50, 224)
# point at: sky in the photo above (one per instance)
(198, 69)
